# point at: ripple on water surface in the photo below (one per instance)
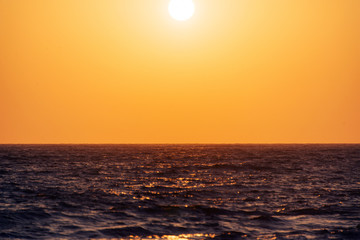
(180, 191)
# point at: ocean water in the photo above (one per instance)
(180, 192)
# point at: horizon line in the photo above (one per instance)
(194, 143)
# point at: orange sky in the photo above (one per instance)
(123, 71)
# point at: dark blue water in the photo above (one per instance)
(180, 191)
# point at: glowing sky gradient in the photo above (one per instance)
(89, 71)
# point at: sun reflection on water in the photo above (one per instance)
(197, 236)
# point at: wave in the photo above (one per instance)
(189, 192)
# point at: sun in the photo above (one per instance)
(181, 10)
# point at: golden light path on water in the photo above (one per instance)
(197, 236)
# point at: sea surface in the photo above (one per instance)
(180, 192)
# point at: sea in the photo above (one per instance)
(180, 192)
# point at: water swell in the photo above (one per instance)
(194, 191)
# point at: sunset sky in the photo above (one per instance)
(124, 71)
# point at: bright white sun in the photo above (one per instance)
(181, 10)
